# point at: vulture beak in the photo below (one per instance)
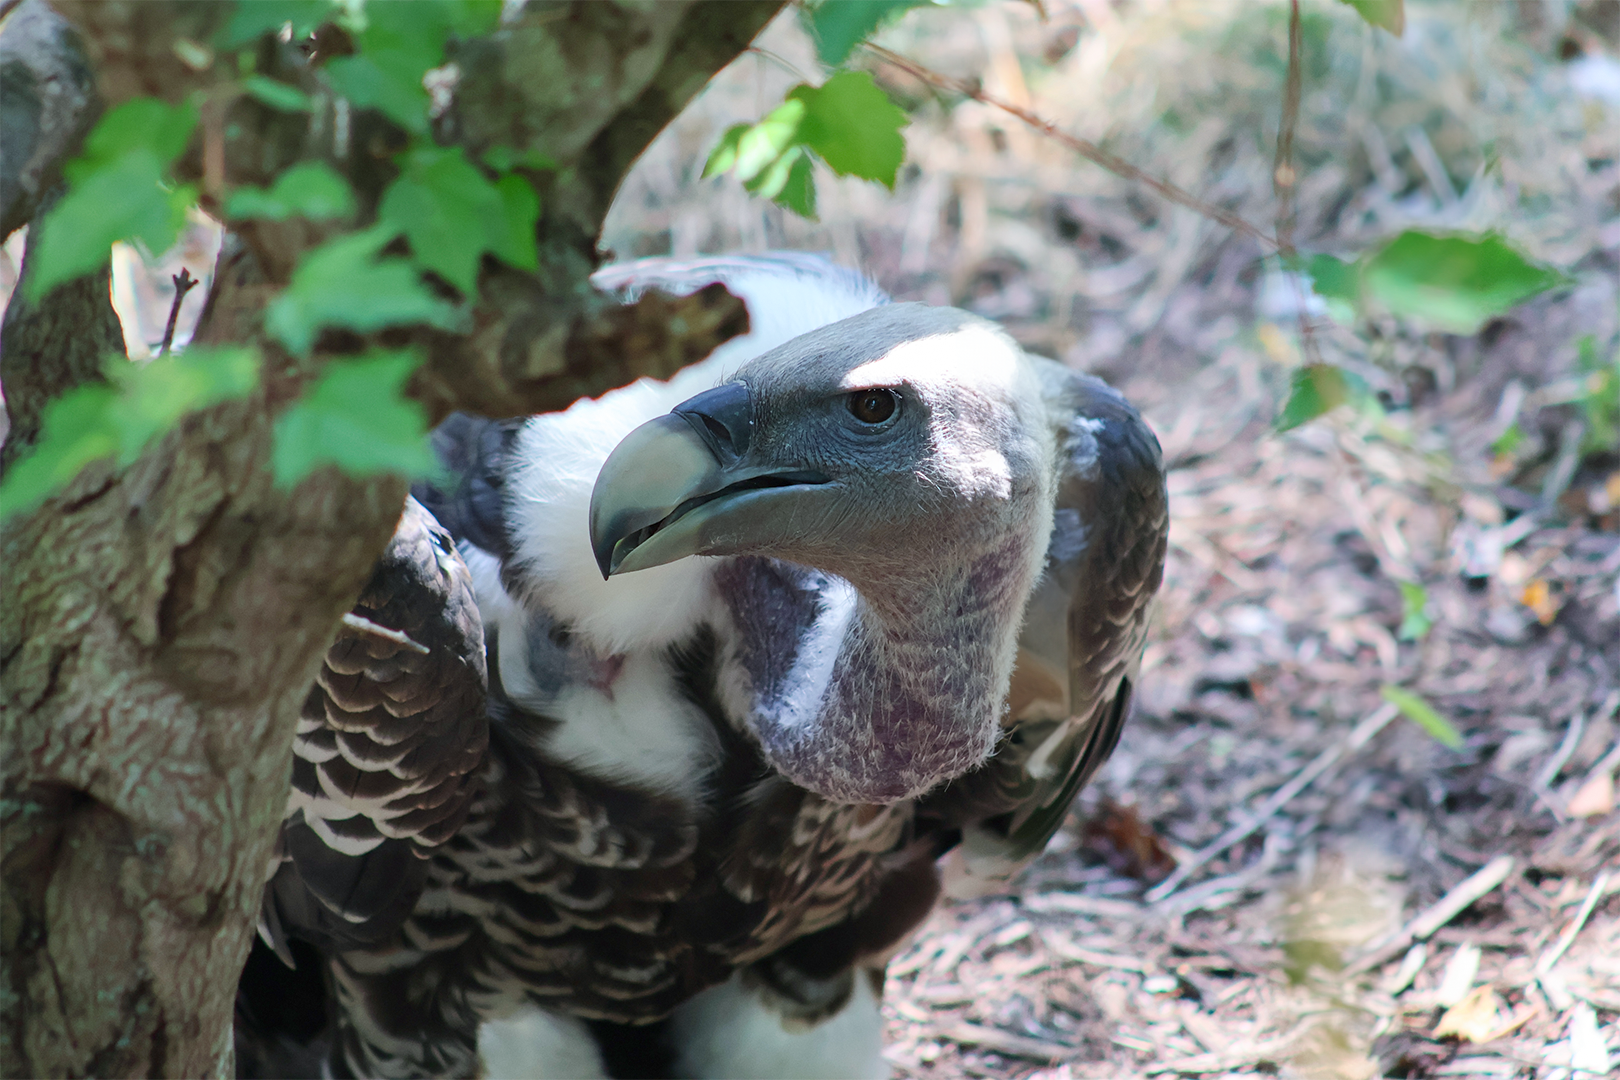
(684, 484)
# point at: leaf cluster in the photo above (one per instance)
(117, 190)
(440, 215)
(847, 122)
(1451, 282)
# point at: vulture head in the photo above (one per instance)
(905, 452)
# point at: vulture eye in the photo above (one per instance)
(873, 406)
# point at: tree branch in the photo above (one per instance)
(50, 102)
(1084, 147)
(48, 348)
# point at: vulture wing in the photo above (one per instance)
(388, 746)
(1082, 641)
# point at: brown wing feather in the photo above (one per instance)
(1084, 632)
(389, 740)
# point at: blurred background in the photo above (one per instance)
(1457, 536)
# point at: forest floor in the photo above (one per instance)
(1346, 897)
(1315, 833)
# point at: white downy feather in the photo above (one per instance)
(727, 1031)
(534, 1044)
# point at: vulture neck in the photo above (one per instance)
(876, 693)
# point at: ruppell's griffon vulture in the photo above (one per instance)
(642, 750)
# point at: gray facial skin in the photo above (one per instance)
(905, 452)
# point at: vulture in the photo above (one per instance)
(663, 718)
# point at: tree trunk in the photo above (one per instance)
(162, 624)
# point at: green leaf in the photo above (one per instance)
(116, 192)
(400, 43)
(723, 158)
(1337, 282)
(853, 126)
(255, 17)
(769, 183)
(1600, 400)
(1454, 282)
(147, 124)
(763, 145)
(1385, 14)
(839, 25)
(1317, 389)
(355, 418)
(343, 284)
(121, 201)
(395, 90)
(452, 214)
(118, 419)
(513, 239)
(799, 192)
(277, 95)
(1509, 441)
(1422, 714)
(313, 190)
(1415, 620)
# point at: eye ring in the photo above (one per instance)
(873, 406)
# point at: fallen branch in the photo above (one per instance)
(1324, 761)
(1084, 147)
(1448, 907)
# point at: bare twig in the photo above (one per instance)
(1555, 764)
(1005, 1042)
(1084, 147)
(1283, 178)
(183, 283)
(1068, 950)
(1285, 182)
(1445, 909)
(1567, 938)
(366, 626)
(1324, 761)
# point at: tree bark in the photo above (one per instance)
(162, 624)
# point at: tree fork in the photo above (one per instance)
(163, 623)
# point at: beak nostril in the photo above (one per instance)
(723, 417)
(720, 432)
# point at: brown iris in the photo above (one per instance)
(873, 406)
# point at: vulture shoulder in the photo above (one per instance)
(1081, 645)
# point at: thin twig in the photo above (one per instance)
(1285, 182)
(183, 283)
(1068, 950)
(1567, 938)
(1324, 761)
(1084, 147)
(366, 626)
(1283, 178)
(1555, 764)
(1005, 1042)
(1445, 909)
